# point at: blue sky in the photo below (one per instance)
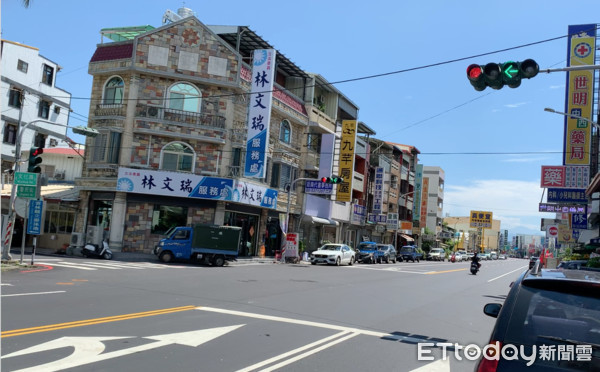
(434, 109)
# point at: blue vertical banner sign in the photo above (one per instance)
(34, 217)
(259, 113)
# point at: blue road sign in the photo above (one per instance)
(34, 218)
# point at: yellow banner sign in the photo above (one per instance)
(346, 163)
(580, 97)
(481, 219)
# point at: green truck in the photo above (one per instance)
(209, 244)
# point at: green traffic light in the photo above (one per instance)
(511, 74)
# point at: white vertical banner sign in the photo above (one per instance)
(259, 113)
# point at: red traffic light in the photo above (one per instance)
(37, 151)
(474, 71)
(324, 179)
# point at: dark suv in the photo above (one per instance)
(554, 317)
(409, 253)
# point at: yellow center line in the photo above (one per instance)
(81, 323)
(59, 283)
(445, 271)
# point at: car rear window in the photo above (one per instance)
(540, 312)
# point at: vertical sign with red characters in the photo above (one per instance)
(579, 95)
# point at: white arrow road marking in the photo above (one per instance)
(88, 349)
(437, 366)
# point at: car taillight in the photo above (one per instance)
(490, 364)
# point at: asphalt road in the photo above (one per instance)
(85, 315)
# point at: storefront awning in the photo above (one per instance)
(323, 221)
(408, 238)
(586, 235)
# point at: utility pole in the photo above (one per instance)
(10, 225)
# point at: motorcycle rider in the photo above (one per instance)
(476, 260)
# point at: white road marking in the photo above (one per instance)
(3, 284)
(90, 349)
(437, 366)
(308, 353)
(510, 272)
(31, 294)
(310, 323)
(291, 352)
(63, 265)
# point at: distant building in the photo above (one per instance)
(31, 96)
(435, 198)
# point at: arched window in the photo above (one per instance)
(113, 91)
(285, 131)
(177, 156)
(185, 97)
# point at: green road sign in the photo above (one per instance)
(24, 178)
(24, 191)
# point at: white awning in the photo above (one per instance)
(586, 235)
(408, 238)
(321, 220)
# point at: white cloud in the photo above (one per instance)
(515, 203)
(557, 86)
(515, 105)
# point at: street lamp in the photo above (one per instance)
(89, 132)
(547, 109)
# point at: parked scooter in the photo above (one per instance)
(94, 250)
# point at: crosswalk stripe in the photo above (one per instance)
(70, 266)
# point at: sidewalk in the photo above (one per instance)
(138, 256)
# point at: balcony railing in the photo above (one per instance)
(179, 116)
(110, 110)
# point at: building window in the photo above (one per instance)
(106, 148)
(282, 175)
(10, 134)
(60, 222)
(44, 109)
(113, 91)
(178, 157)
(166, 216)
(22, 66)
(185, 97)
(285, 131)
(236, 162)
(14, 97)
(313, 142)
(47, 74)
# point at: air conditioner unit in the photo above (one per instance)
(355, 201)
(59, 175)
(77, 239)
(94, 235)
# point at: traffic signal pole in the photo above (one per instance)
(10, 225)
(7, 237)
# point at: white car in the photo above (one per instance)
(333, 254)
(436, 254)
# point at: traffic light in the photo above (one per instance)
(35, 159)
(332, 179)
(496, 75)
